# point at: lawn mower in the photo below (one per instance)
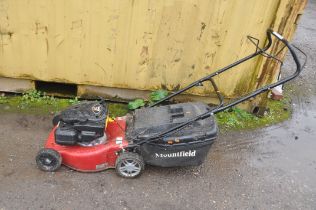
(86, 139)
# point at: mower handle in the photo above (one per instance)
(208, 77)
(270, 86)
(221, 106)
(261, 51)
(291, 49)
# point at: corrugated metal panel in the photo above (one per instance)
(143, 44)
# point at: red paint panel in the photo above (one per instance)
(95, 158)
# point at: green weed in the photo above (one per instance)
(32, 97)
(73, 101)
(153, 97)
(236, 118)
(3, 99)
(37, 102)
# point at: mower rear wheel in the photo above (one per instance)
(129, 165)
(48, 160)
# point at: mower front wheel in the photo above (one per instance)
(129, 165)
(48, 160)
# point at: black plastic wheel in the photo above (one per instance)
(48, 160)
(129, 165)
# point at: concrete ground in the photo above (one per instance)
(269, 168)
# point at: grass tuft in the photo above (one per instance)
(236, 119)
(36, 102)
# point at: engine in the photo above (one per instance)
(81, 124)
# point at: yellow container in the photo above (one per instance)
(140, 44)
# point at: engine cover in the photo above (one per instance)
(81, 123)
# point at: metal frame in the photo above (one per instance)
(221, 106)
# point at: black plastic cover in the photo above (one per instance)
(186, 147)
(83, 122)
(83, 112)
(176, 155)
(66, 135)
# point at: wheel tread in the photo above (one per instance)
(129, 155)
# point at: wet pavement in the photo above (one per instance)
(269, 168)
